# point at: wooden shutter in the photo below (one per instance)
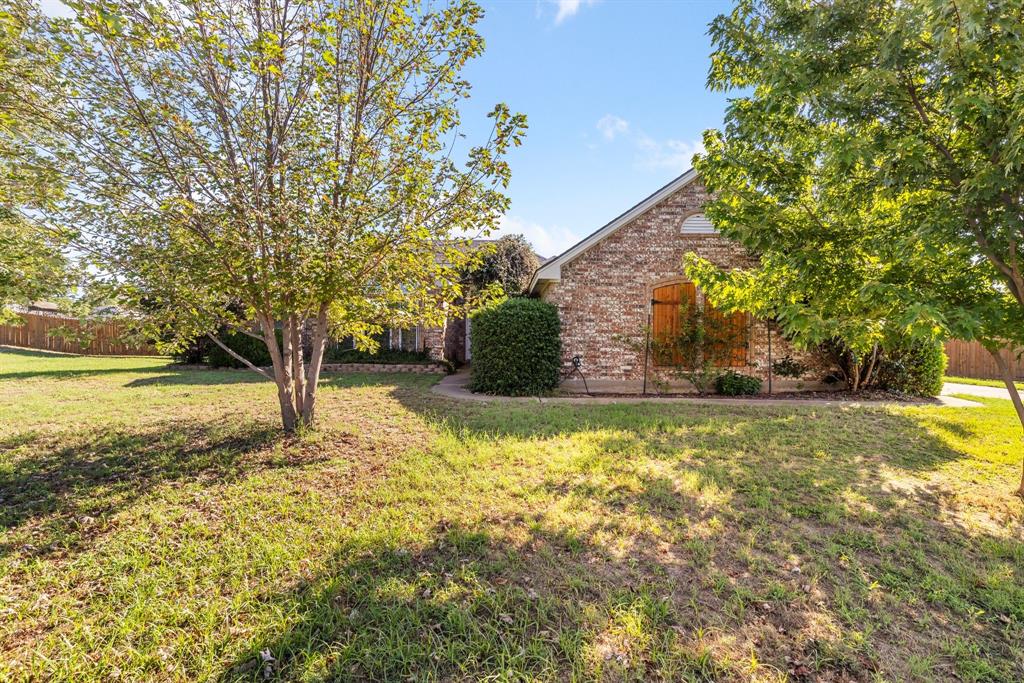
(666, 305)
(733, 327)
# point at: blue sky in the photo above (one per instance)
(615, 97)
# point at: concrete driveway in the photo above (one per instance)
(950, 388)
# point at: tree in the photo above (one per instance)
(32, 267)
(295, 158)
(509, 261)
(26, 178)
(32, 264)
(874, 163)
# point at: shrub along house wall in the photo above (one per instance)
(417, 368)
(515, 348)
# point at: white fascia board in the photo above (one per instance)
(552, 269)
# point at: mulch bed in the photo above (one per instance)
(839, 396)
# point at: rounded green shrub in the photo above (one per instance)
(913, 367)
(516, 348)
(732, 383)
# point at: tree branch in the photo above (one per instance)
(238, 357)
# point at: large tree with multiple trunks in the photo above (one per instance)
(274, 166)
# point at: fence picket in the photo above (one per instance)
(971, 359)
(34, 333)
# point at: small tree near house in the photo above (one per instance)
(296, 159)
(508, 261)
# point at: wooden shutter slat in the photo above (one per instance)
(667, 303)
(735, 325)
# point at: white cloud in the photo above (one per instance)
(568, 8)
(611, 125)
(673, 154)
(547, 241)
(651, 153)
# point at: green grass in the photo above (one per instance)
(156, 526)
(981, 382)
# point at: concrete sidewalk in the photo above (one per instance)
(455, 386)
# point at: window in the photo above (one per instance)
(666, 308)
(732, 334)
(698, 224)
(731, 331)
(406, 339)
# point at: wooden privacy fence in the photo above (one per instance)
(971, 359)
(35, 334)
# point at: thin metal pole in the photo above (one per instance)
(770, 373)
(647, 345)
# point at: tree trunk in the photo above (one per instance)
(316, 357)
(298, 372)
(869, 375)
(1011, 387)
(282, 372)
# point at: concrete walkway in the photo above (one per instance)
(454, 386)
(974, 390)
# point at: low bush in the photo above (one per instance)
(913, 367)
(195, 353)
(732, 383)
(516, 348)
(787, 367)
(253, 350)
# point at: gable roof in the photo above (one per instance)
(551, 270)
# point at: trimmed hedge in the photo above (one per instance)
(914, 367)
(516, 348)
(732, 383)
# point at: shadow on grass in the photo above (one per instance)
(464, 605)
(335, 380)
(55, 496)
(188, 377)
(776, 542)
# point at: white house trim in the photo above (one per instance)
(551, 270)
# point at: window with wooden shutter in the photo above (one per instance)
(666, 306)
(730, 330)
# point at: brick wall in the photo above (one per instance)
(432, 339)
(606, 290)
(418, 368)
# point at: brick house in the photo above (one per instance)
(628, 274)
(438, 343)
(449, 342)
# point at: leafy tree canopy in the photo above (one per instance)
(509, 261)
(32, 263)
(32, 267)
(874, 160)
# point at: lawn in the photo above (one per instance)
(157, 526)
